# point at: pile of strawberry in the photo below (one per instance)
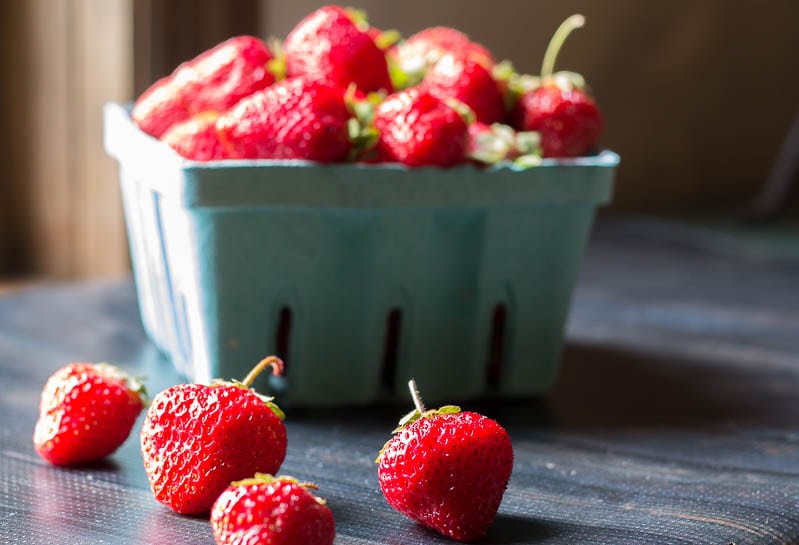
(339, 90)
(215, 448)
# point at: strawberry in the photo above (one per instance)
(469, 81)
(418, 129)
(197, 138)
(446, 469)
(333, 45)
(214, 80)
(293, 119)
(86, 412)
(274, 510)
(159, 107)
(558, 106)
(412, 58)
(196, 439)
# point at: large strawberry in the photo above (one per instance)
(197, 138)
(418, 128)
(86, 412)
(446, 469)
(197, 439)
(558, 105)
(215, 80)
(293, 119)
(274, 510)
(412, 58)
(469, 81)
(333, 45)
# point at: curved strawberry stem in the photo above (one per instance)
(417, 397)
(270, 361)
(566, 27)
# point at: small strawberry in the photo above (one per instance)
(86, 412)
(419, 129)
(333, 45)
(558, 106)
(197, 138)
(274, 510)
(292, 119)
(214, 80)
(412, 58)
(196, 439)
(469, 81)
(446, 469)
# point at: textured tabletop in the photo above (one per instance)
(675, 418)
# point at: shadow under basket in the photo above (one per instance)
(359, 276)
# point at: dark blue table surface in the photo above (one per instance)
(675, 419)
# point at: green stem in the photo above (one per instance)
(417, 397)
(563, 31)
(271, 361)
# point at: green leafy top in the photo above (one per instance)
(266, 478)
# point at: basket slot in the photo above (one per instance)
(391, 345)
(496, 346)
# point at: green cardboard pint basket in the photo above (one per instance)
(361, 276)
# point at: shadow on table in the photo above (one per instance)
(613, 388)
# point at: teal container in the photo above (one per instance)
(362, 276)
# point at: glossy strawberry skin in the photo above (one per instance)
(220, 77)
(278, 513)
(448, 472)
(419, 129)
(567, 119)
(328, 46)
(197, 138)
(292, 119)
(197, 439)
(427, 46)
(469, 81)
(215, 80)
(160, 107)
(86, 412)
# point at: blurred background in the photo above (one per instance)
(698, 97)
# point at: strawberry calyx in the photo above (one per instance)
(277, 64)
(498, 143)
(362, 132)
(386, 39)
(267, 478)
(134, 384)
(277, 366)
(418, 413)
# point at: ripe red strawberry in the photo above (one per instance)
(415, 56)
(159, 107)
(470, 82)
(215, 80)
(197, 138)
(197, 439)
(86, 412)
(274, 510)
(333, 45)
(447, 469)
(419, 129)
(292, 119)
(559, 108)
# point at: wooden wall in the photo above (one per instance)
(60, 211)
